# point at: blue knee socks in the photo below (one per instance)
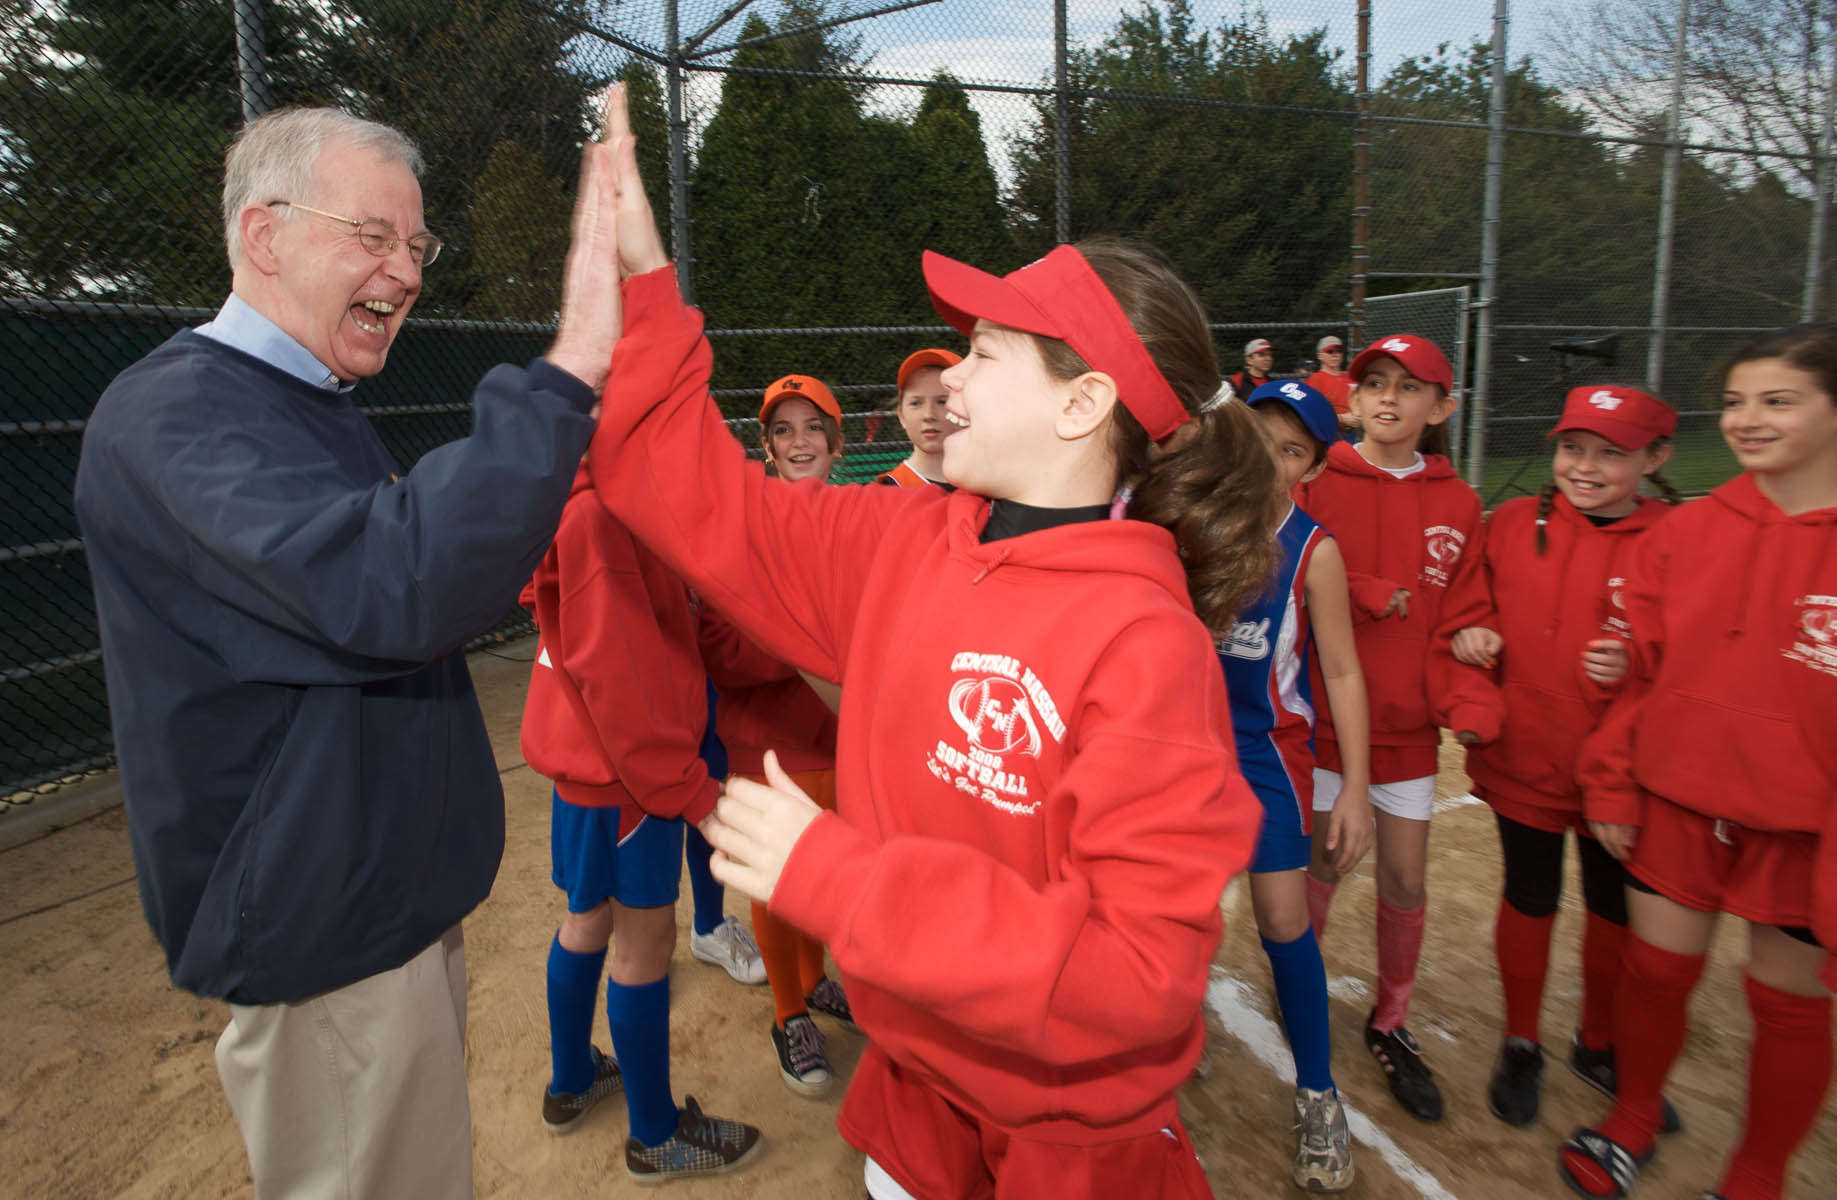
(1301, 994)
(640, 1020)
(710, 896)
(574, 983)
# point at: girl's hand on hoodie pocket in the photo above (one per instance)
(1399, 605)
(1477, 646)
(754, 828)
(1605, 662)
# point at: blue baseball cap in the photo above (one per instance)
(1315, 410)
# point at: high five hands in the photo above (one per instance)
(614, 237)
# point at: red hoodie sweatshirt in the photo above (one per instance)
(1534, 709)
(617, 703)
(1039, 805)
(764, 704)
(1423, 533)
(1732, 708)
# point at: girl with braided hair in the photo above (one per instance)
(1524, 683)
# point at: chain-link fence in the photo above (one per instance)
(1304, 164)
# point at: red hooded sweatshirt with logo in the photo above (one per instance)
(1422, 533)
(1038, 800)
(617, 704)
(1535, 707)
(764, 704)
(1731, 710)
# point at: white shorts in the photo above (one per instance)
(1411, 798)
(882, 1186)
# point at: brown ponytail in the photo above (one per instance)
(1217, 492)
(1546, 500)
(1434, 439)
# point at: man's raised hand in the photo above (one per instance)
(590, 316)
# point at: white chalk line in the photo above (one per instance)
(1228, 998)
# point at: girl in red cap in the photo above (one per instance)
(1714, 775)
(1038, 801)
(1409, 529)
(1526, 682)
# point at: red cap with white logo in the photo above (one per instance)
(1419, 357)
(1627, 417)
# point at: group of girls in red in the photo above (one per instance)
(1038, 794)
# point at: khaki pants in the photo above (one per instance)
(361, 1091)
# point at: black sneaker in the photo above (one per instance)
(802, 1063)
(1411, 1081)
(701, 1145)
(1596, 1069)
(1517, 1078)
(829, 999)
(562, 1111)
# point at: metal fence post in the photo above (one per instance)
(1668, 209)
(1821, 203)
(251, 60)
(1062, 129)
(1488, 303)
(681, 245)
(1361, 182)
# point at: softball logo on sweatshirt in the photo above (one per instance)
(1817, 643)
(1002, 711)
(1442, 550)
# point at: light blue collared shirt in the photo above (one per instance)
(238, 326)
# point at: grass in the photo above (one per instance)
(1700, 461)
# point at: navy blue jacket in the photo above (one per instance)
(310, 791)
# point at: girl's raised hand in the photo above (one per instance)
(591, 320)
(640, 244)
(1477, 646)
(1605, 662)
(754, 828)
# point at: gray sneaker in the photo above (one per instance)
(802, 1063)
(1323, 1147)
(829, 999)
(732, 949)
(701, 1145)
(562, 1111)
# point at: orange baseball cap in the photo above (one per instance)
(807, 387)
(1627, 417)
(930, 357)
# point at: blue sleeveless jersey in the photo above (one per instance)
(1266, 673)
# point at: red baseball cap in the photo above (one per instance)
(1060, 296)
(1419, 357)
(806, 386)
(931, 357)
(1627, 417)
(1256, 345)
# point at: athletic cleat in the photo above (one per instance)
(1410, 1078)
(701, 1145)
(1323, 1147)
(1619, 1166)
(732, 949)
(562, 1111)
(1596, 1069)
(829, 999)
(802, 1064)
(1517, 1078)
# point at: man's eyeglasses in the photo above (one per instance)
(1333, 350)
(377, 235)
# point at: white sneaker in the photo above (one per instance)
(1323, 1148)
(732, 949)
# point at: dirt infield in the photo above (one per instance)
(108, 1087)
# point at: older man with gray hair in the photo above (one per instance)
(311, 794)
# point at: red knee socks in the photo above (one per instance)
(1320, 899)
(1651, 1013)
(1399, 946)
(1602, 944)
(1522, 944)
(1789, 1069)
